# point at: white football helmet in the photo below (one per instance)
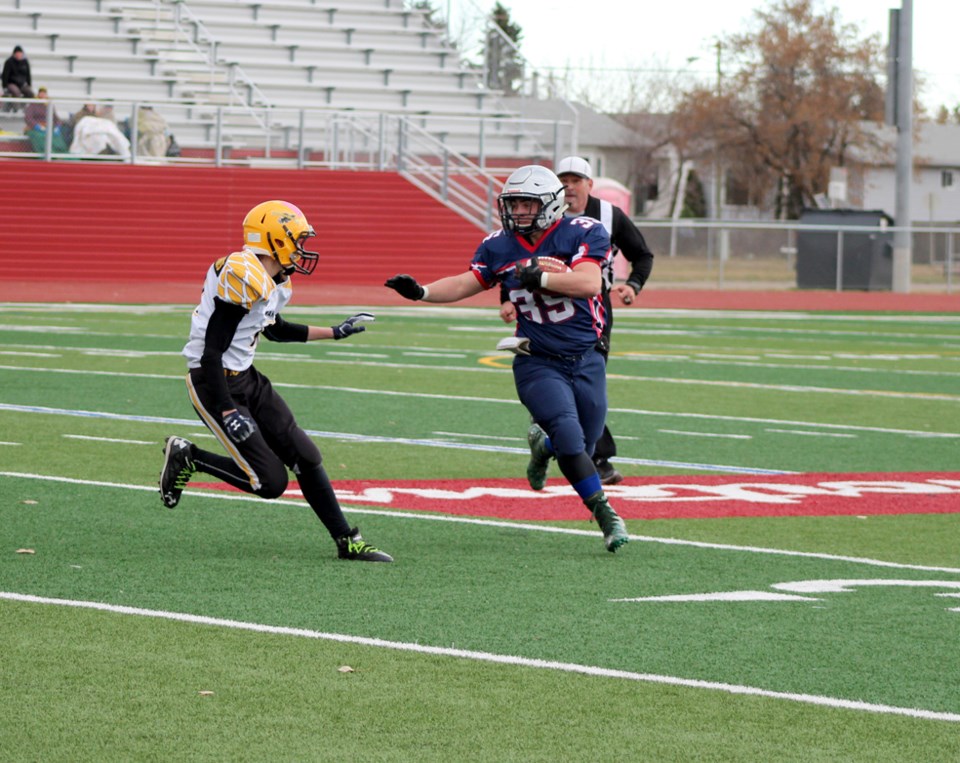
(531, 182)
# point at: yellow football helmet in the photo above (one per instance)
(279, 229)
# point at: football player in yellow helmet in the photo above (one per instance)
(243, 297)
(279, 230)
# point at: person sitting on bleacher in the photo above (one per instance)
(87, 110)
(95, 132)
(35, 119)
(17, 82)
(152, 137)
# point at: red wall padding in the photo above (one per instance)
(88, 221)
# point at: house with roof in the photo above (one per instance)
(935, 190)
(611, 147)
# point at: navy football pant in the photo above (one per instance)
(565, 396)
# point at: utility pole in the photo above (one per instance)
(903, 82)
(719, 235)
(717, 190)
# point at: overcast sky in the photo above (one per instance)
(639, 33)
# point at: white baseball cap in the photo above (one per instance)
(574, 165)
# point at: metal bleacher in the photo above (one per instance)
(238, 73)
(338, 84)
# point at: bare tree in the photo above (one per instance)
(800, 85)
(642, 100)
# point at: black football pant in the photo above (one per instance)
(259, 464)
(605, 448)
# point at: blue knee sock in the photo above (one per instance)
(581, 474)
(588, 486)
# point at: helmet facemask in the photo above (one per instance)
(521, 222)
(291, 255)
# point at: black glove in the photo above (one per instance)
(529, 275)
(405, 286)
(238, 426)
(353, 325)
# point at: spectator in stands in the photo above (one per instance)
(95, 132)
(17, 82)
(35, 119)
(36, 113)
(152, 136)
(105, 111)
(88, 110)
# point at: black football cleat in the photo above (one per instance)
(178, 468)
(608, 473)
(354, 548)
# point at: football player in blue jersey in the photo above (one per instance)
(577, 177)
(559, 373)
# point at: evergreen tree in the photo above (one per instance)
(503, 59)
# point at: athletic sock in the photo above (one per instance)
(316, 488)
(580, 473)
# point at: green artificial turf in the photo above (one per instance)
(87, 396)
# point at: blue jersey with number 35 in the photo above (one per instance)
(555, 324)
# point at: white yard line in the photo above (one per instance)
(354, 354)
(432, 517)
(505, 401)
(706, 434)
(490, 657)
(449, 355)
(110, 439)
(809, 434)
(798, 388)
(500, 364)
(366, 438)
(470, 435)
(31, 354)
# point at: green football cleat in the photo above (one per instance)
(539, 457)
(614, 530)
(355, 548)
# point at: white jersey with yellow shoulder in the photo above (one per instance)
(239, 278)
